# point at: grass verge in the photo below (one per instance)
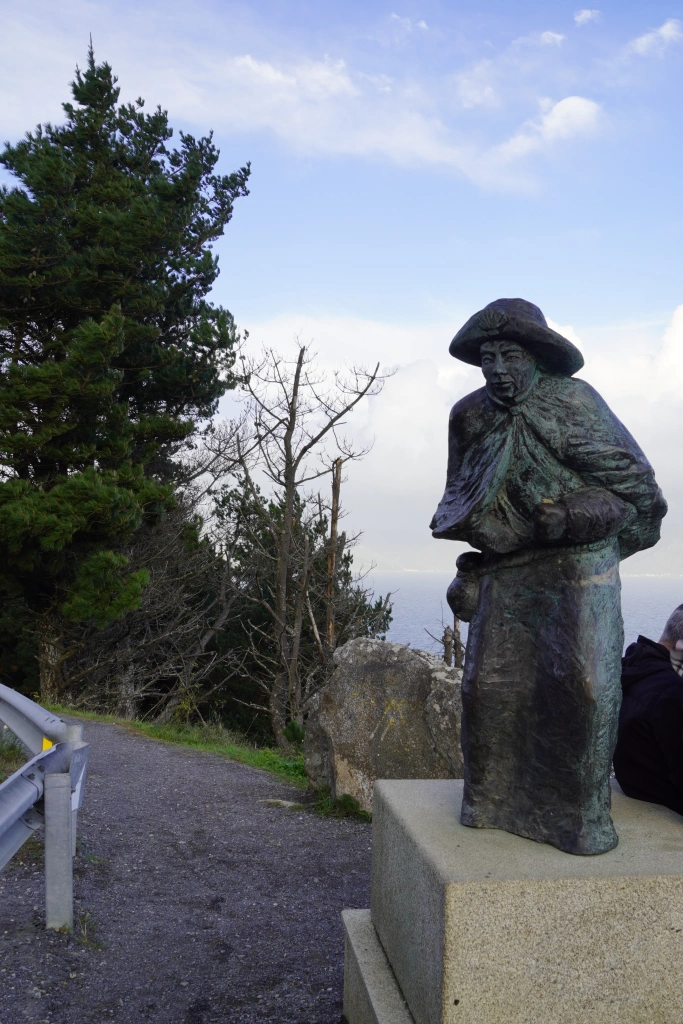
(12, 754)
(32, 853)
(345, 806)
(213, 738)
(85, 929)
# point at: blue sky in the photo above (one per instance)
(412, 162)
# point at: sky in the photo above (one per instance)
(411, 162)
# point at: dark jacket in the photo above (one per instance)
(648, 761)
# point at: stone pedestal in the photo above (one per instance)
(477, 926)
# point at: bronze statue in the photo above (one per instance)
(553, 491)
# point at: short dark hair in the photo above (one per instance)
(673, 630)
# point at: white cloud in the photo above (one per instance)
(572, 117)
(647, 377)
(356, 340)
(404, 23)
(551, 38)
(656, 41)
(400, 29)
(326, 107)
(644, 387)
(536, 39)
(586, 15)
(383, 83)
(475, 88)
(567, 331)
(316, 81)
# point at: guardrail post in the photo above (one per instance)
(59, 911)
(57, 774)
(74, 735)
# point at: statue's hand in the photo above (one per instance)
(550, 523)
(463, 593)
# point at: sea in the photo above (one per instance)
(420, 611)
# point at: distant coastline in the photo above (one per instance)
(420, 603)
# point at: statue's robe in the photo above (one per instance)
(541, 685)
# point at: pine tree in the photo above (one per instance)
(110, 352)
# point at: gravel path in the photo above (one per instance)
(195, 901)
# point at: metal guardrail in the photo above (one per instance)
(48, 791)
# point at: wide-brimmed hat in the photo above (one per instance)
(520, 321)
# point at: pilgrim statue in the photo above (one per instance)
(552, 491)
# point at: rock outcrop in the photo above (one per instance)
(387, 712)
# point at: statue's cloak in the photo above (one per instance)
(541, 686)
(559, 438)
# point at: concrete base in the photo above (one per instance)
(483, 927)
(371, 995)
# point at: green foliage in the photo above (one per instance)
(345, 806)
(110, 351)
(102, 591)
(18, 646)
(221, 741)
(12, 754)
(106, 214)
(215, 738)
(85, 929)
(31, 854)
(248, 523)
(37, 525)
(295, 733)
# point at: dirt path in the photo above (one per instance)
(199, 903)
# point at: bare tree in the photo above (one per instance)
(295, 416)
(453, 647)
(162, 659)
(247, 603)
(161, 656)
(332, 548)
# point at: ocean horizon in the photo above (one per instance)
(420, 608)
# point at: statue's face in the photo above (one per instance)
(507, 367)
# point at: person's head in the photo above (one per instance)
(507, 367)
(673, 631)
